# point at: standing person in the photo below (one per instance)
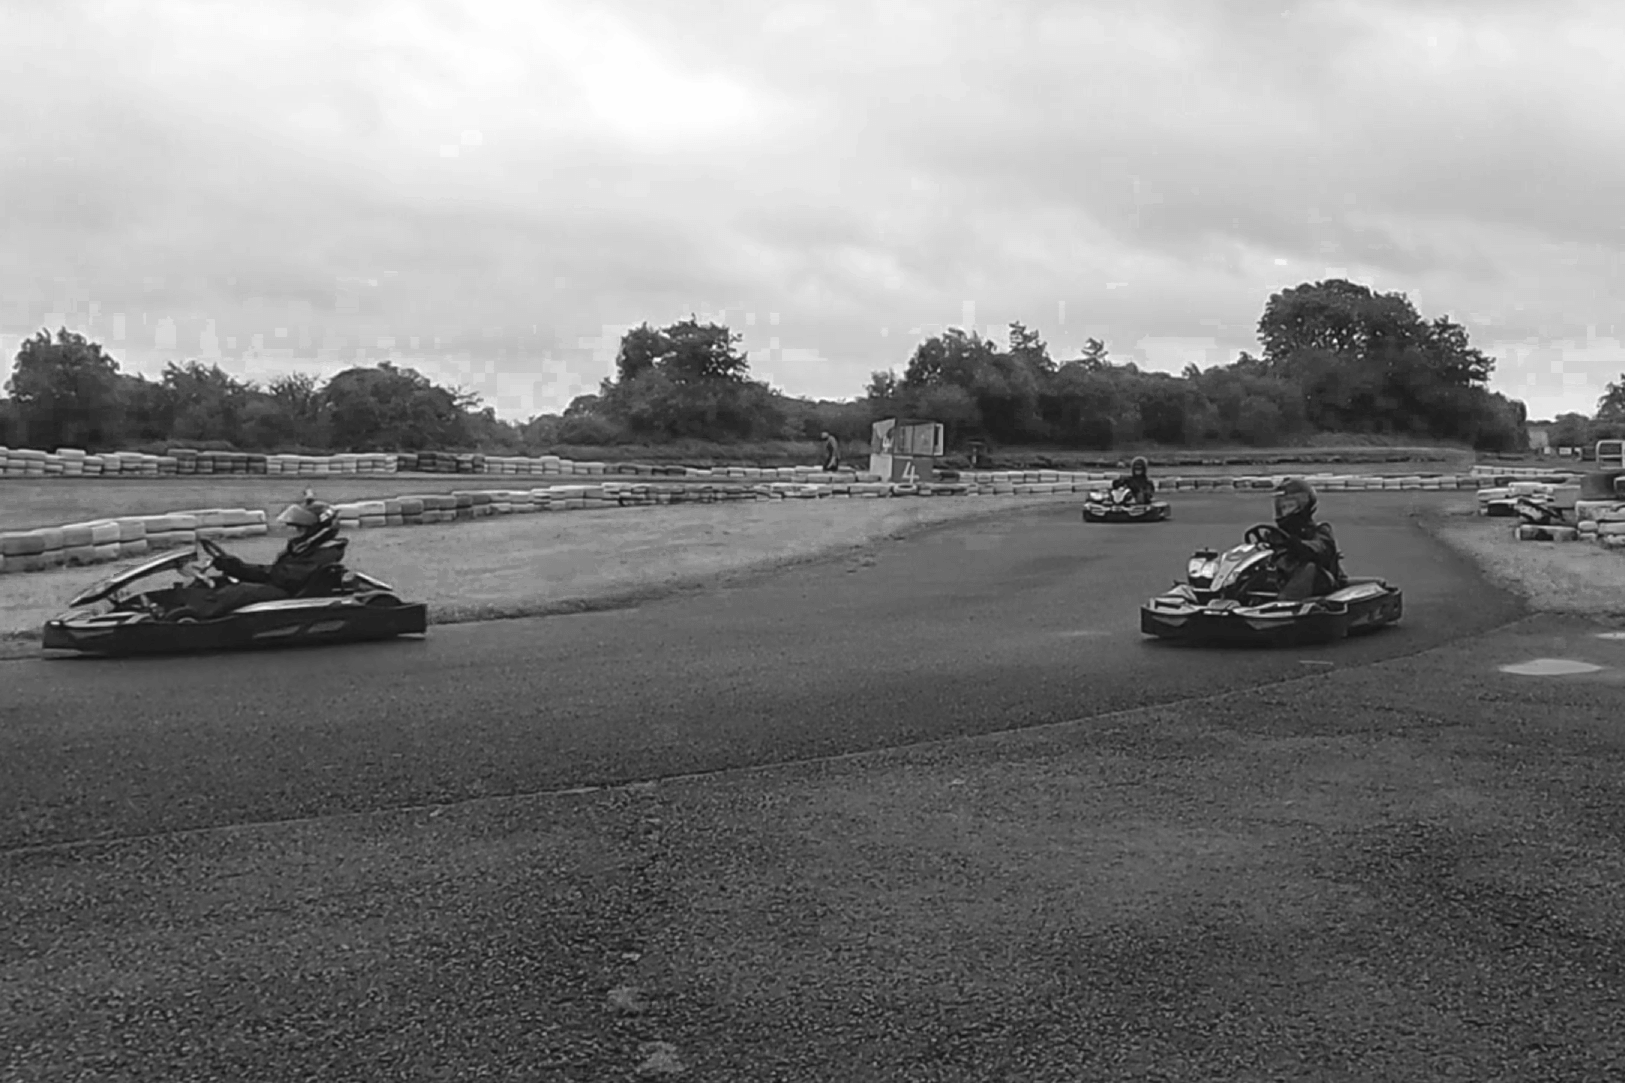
(832, 452)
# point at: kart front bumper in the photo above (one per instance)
(1107, 513)
(1241, 628)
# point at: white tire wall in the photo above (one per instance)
(137, 536)
(1530, 532)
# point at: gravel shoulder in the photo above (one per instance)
(1574, 578)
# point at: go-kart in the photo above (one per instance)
(1117, 505)
(135, 612)
(1232, 598)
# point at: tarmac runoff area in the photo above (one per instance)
(933, 811)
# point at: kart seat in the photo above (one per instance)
(329, 574)
(327, 580)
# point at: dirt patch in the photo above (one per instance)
(552, 562)
(1577, 578)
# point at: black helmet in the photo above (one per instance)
(1139, 466)
(314, 524)
(309, 516)
(1295, 501)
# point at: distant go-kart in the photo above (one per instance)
(1117, 505)
(1232, 599)
(129, 613)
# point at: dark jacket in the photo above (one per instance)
(1314, 543)
(1142, 489)
(298, 565)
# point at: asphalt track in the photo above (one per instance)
(1404, 866)
(965, 630)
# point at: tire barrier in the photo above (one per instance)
(1601, 521)
(1526, 472)
(1597, 521)
(94, 542)
(103, 540)
(1503, 500)
(74, 462)
(1530, 532)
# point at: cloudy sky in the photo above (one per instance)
(493, 192)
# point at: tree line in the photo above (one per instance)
(1335, 357)
(67, 392)
(1581, 431)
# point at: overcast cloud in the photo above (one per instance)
(494, 192)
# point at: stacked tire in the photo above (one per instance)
(1602, 521)
(1532, 532)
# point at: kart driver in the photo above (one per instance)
(1138, 481)
(1309, 562)
(314, 525)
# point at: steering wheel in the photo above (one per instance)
(197, 573)
(1264, 534)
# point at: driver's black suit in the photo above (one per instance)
(1309, 562)
(1141, 489)
(299, 563)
